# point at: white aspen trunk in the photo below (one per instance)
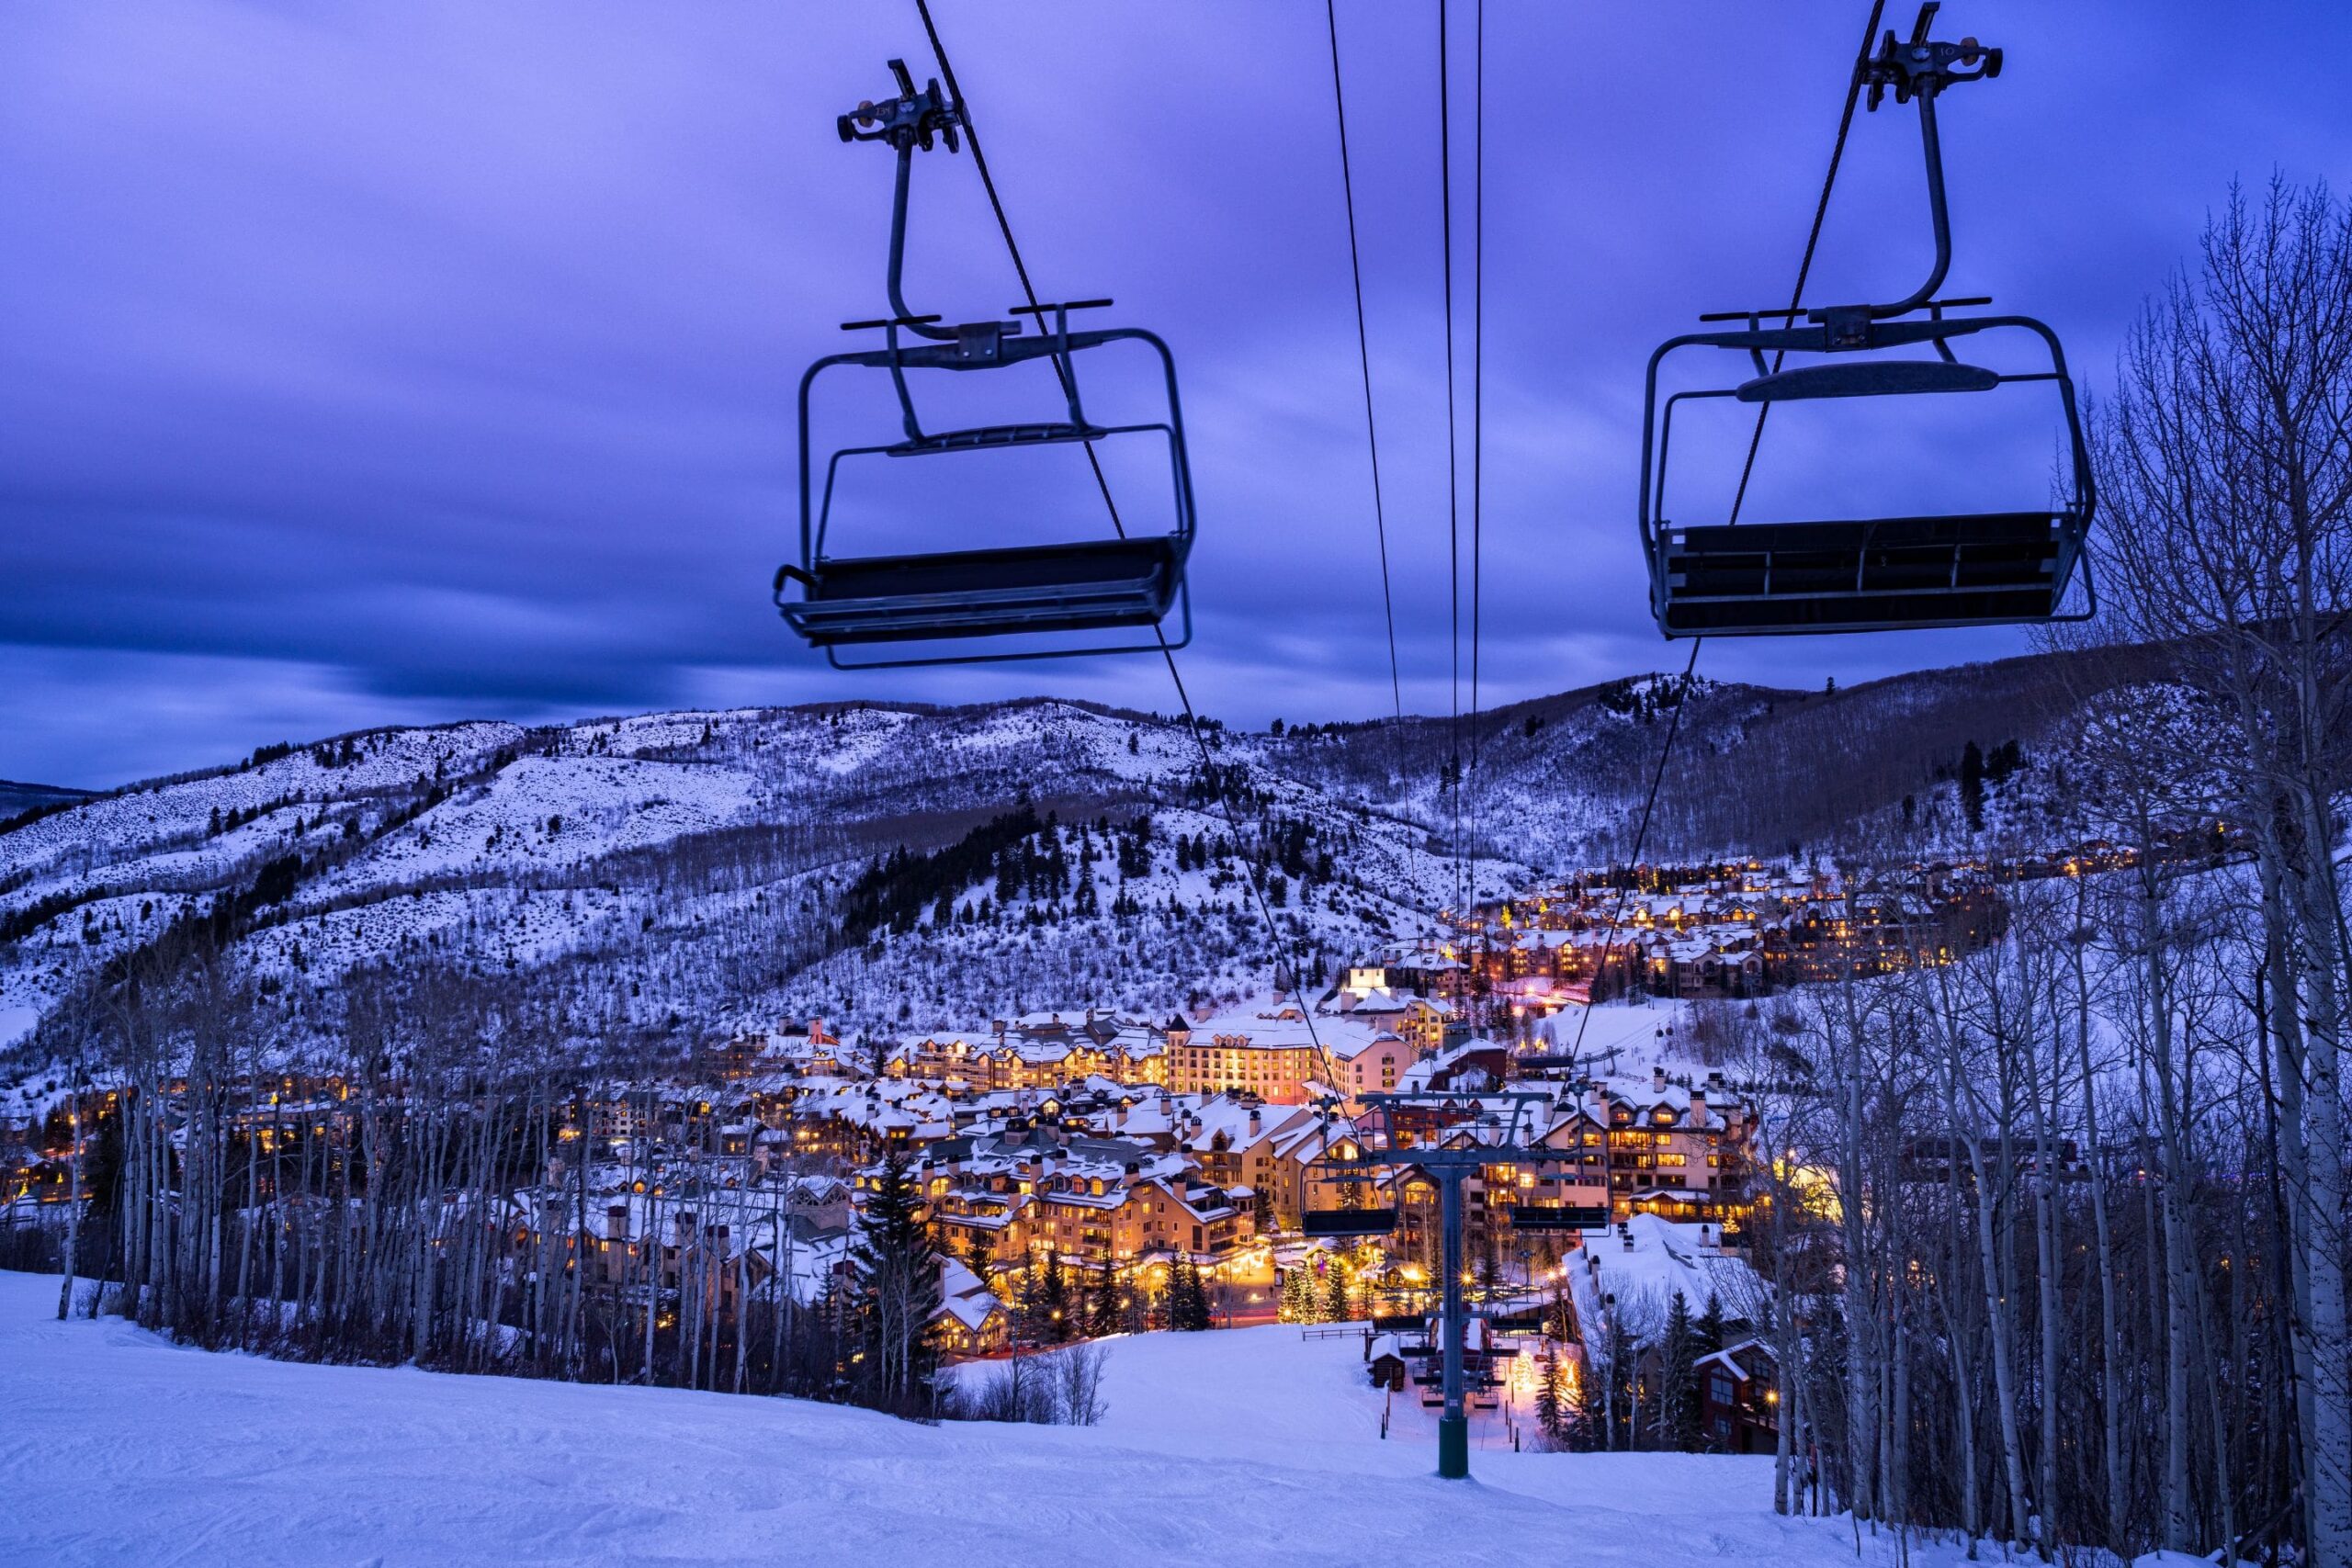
(1958, 1333)
(2046, 1249)
(1785, 1359)
(2178, 1523)
(2329, 1462)
(73, 1199)
(252, 1210)
(1997, 1305)
(2110, 1377)
(1861, 1366)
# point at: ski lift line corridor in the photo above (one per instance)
(1746, 471)
(933, 113)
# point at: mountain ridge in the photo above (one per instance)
(687, 872)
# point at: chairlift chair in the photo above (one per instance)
(1886, 573)
(1347, 1224)
(908, 600)
(1355, 1221)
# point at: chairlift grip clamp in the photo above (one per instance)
(1922, 67)
(910, 121)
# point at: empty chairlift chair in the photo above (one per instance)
(907, 607)
(1364, 1211)
(1882, 573)
(1347, 1224)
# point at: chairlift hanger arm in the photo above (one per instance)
(912, 121)
(1917, 68)
(1921, 69)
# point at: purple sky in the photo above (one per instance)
(386, 364)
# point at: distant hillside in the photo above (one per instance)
(677, 875)
(16, 799)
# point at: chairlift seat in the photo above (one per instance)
(1986, 569)
(1084, 586)
(1867, 379)
(1323, 1224)
(1558, 1217)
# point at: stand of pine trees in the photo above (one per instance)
(1187, 1297)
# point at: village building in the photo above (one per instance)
(1739, 1398)
(1091, 1202)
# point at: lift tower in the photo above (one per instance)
(1448, 1137)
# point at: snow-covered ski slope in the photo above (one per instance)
(1231, 1449)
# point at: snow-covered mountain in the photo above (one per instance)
(899, 866)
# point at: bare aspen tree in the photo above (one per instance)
(2226, 458)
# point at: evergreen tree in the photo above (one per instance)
(1028, 1306)
(1054, 1300)
(1677, 1379)
(1187, 1297)
(1336, 1308)
(1607, 1387)
(897, 1290)
(1972, 785)
(1710, 1327)
(979, 1252)
(1102, 1314)
(1287, 1299)
(1550, 1413)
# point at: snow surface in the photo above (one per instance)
(1236, 1448)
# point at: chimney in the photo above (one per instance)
(1698, 1107)
(1658, 1079)
(616, 1221)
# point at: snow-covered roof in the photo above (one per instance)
(1644, 1261)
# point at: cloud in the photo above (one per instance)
(368, 364)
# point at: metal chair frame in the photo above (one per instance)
(1917, 71)
(1030, 601)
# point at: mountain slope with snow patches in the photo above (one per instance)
(703, 873)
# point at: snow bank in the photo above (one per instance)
(1234, 1449)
